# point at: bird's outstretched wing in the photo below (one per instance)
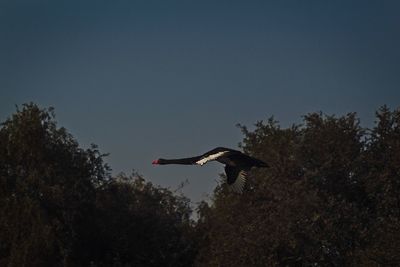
(214, 154)
(235, 178)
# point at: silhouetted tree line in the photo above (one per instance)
(330, 198)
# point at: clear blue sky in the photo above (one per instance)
(149, 79)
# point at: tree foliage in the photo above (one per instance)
(140, 224)
(60, 207)
(47, 187)
(331, 197)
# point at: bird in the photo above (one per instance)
(237, 164)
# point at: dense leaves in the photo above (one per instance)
(60, 207)
(331, 197)
(47, 186)
(142, 225)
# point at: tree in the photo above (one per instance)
(139, 224)
(59, 206)
(305, 210)
(47, 190)
(382, 183)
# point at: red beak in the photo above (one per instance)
(155, 162)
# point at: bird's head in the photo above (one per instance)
(159, 162)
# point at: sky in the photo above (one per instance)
(150, 79)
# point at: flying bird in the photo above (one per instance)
(237, 164)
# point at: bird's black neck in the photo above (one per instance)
(184, 161)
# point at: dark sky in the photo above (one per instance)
(147, 79)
